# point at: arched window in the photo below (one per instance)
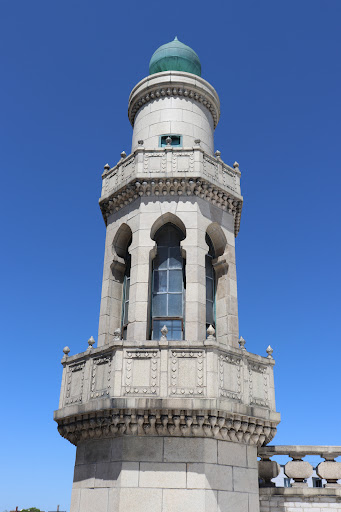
(210, 284)
(168, 284)
(125, 295)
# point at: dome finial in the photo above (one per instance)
(176, 38)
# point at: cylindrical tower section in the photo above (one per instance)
(173, 104)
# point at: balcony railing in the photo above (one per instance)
(297, 469)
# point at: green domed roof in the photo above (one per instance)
(175, 56)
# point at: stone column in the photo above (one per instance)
(195, 307)
(141, 250)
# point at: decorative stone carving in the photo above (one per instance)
(91, 342)
(141, 372)
(211, 332)
(66, 351)
(183, 162)
(230, 381)
(269, 351)
(172, 186)
(101, 376)
(187, 373)
(258, 384)
(164, 332)
(74, 383)
(242, 342)
(158, 422)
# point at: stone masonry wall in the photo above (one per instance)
(165, 475)
(310, 499)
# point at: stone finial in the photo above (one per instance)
(236, 165)
(66, 351)
(106, 167)
(123, 154)
(269, 351)
(242, 342)
(211, 332)
(164, 332)
(140, 142)
(217, 154)
(197, 142)
(169, 141)
(91, 342)
(117, 334)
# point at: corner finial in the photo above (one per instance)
(164, 332)
(269, 351)
(91, 342)
(66, 351)
(242, 342)
(211, 332)
(117, 334)
(176, 38)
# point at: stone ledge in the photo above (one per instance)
(297, 492)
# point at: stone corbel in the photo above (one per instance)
(118, 266)
(220, 266)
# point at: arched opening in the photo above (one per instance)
(210, 284)
(125, 292)
(168, 284)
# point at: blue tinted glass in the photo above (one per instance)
(126, 297)
(160, 304)
(209, 268)
(209, 289)
(175, 259)
(174, 329)
(161, 258)
(175, 281)
(160, 281)
(175, 304)
(209, 313)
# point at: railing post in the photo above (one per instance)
(298, 470)
(267, 469)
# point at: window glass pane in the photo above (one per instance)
(209, 268)
(175, 280)
(209, 313)
(209, 289)
(175, 259)
(174, 329)
(175, 304)
(126, 297)
(161, 258)
(160, 304)
(125, 316)
(160, 281)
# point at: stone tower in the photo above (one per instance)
(167, 412)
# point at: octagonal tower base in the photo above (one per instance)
(165, 474)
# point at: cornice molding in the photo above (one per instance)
(175, 423)
(173, 84)
(154, 187)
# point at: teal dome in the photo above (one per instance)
(175, 56)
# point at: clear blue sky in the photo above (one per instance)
(67, 69)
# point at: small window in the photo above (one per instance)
(176, 140)
(287, 482)
(317, 482)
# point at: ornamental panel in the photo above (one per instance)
(187, 373)
(141, 372)
(230, 377)
(258, 385)
(74, 383)
(101, 376)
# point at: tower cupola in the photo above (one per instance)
(175, 56)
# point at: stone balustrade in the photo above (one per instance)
(159, 388)
(298, 469)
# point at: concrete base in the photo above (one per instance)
(165, 474)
